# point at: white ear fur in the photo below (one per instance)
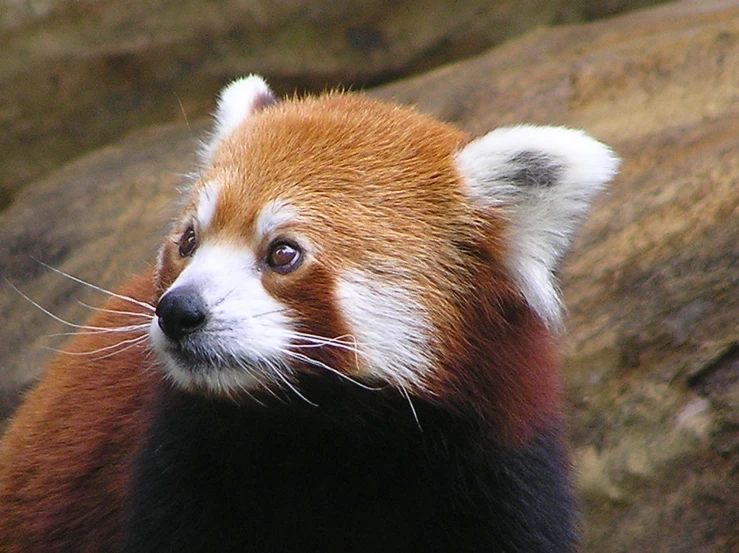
(236, 103)
(546, 177)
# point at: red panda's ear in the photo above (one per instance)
(236, 103)
(545, 179)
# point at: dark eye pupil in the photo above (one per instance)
(188, 242)
(283, 257)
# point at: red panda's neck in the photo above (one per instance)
(501, 364)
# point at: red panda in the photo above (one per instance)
(346, 344)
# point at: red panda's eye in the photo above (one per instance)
(188, 241)
(283, 257)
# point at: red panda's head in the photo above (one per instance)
(366, 240)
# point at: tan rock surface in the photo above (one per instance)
(75, 75)
(651, 357)
(100, 219)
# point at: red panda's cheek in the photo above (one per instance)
(169, 266)
(310, 293)
(389, 326)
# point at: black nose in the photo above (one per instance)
(181, 311)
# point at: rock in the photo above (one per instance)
(100, 219)
(651, 354)
(76, 75)
(652, 287)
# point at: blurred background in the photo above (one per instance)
(75, 74)
(102, 104)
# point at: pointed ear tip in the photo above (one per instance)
(607, 161)
(236, 102)
(239, 99)
(595, 161)
(582, 148)
(251, 85)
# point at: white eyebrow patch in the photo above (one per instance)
(207, 199)
(273, 215)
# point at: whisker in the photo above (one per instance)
(130, 346)
(243, 390)
(316, 363)
(115, 311)
(231, 394)
(266, 386)
(318, 337)
(132, 341)
(50, 314)
(98, 288)
(352, 349)
(353, 341)
(101, 330)
(199, 171)
(184, 114)
(407, 396)
(337, 345)
(289, 384)
(224, 298)
(269, 313)
(320, 341)
(242, 387)
(255, 376)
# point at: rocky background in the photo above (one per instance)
(651, 352)
(75, 74)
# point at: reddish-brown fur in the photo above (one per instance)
(70, 444)
(501, 360)
(291, 149)
(64, 460)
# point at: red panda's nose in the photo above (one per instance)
(181, 311)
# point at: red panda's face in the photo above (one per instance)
(340, 235)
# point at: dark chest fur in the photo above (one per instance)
(354, 474)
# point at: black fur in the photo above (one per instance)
(535, 170)
(353, 474)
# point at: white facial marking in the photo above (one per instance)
(389, 326)
(274, 215)
(240, 347)
(207, 199)
(547, 178)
